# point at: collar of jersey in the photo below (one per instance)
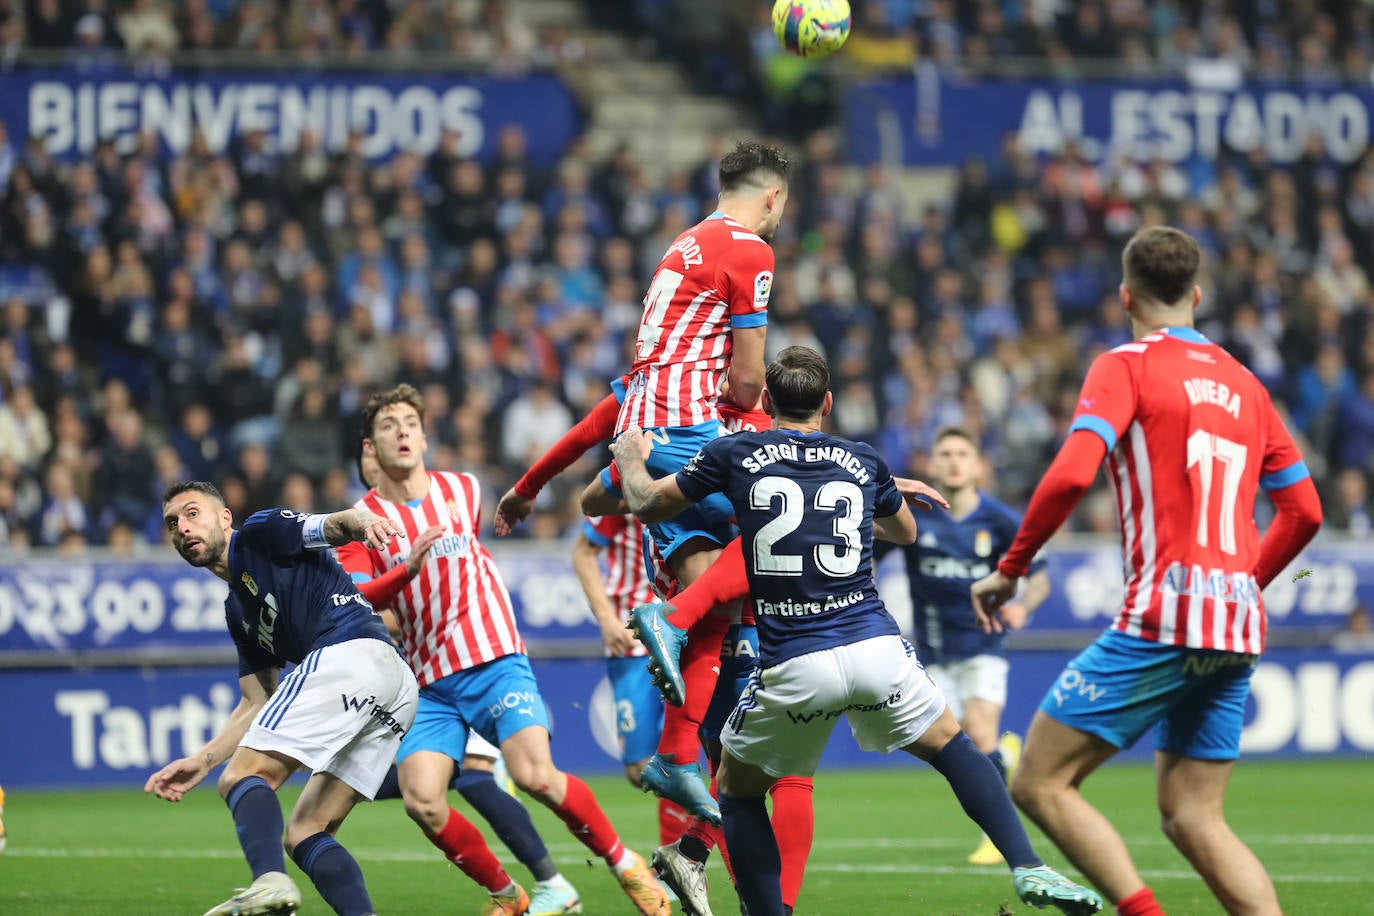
(415, 503)
(1188, 335)
(719, 214)
(797, 432)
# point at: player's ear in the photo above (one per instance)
(1127, 300)
(767, 403)
(1197, 296)
(827, 404)
(226, 518)
(369, 449)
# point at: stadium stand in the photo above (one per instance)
(177, 315)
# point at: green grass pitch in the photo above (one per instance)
(887, 841)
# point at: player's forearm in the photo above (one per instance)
(589, 577)
(1298, 517)
(221, 747)
(1068, 478)
(596, 426)
(346, 525)
(380, 591)
(896, 529)
(745, 386)
(645, 499)
(597, 500)
(1036, 591)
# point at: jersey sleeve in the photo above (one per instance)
(357, 561)
(601, 530)
(252, 657)
(284, 535)
(707, 472)
(745, 280)
(1107, 401)
(1283, 465)
(888, 501)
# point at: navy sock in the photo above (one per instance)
(997, 761)
(983, 794)
(509, 819)
(753, 853)
(335, 874)
(693, 848)
(390, 787)
(257, 818)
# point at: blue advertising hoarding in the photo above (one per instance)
(73, 110)
(115, 726)
(937, 118)
(50, 605)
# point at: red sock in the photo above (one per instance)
(672, 821)
(1141, 903)
(463, 845)
(681, 741)
(794, 824)
(588, 822)
(723, 582)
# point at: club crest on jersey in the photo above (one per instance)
(763, 286)
(982, 543)
(249, 584)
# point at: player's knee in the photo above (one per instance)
(1024, 791)
(533, 776)
(427, 808)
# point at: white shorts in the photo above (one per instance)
(478, 746)
(982, 677)
(342, 710)
(783, 719)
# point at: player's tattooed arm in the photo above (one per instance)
(360, 525)
(651, 500)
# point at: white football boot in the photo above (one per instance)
(269, 895)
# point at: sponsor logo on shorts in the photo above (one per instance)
(520, 702)
(1072, 683)
(827, 715)
(369, 706)
(1203, 665)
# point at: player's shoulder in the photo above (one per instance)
(993, 508)
(460, 483)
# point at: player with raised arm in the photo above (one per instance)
(808, 506)
(475, 776)
(1189, 435)
(955, 549)
(341, 713)
(459, 634)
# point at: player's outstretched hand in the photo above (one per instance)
(619, 639)
(919, 494)
(1014, 615)
(419, 549)
(511, 509)
(378, 532)
(632, 443)
(173, 781)
(990, 595)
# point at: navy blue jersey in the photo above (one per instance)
(805, 504)
(288, 597)
(950, 554)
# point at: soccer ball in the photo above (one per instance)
(811, 28)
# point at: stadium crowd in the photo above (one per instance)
(226, 316)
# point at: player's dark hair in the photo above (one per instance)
(751, 162)
(797, 381)
(401, 394)
(358, 461)
(956, 432)
(1161, 263)
(191, 486)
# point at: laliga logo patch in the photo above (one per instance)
(249, 584)
(763, 285)
(982, 543)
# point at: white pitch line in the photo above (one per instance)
(423, 856)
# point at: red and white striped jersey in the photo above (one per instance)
(716, 277)
(627, 578)
(1191, 434)
(456, 614)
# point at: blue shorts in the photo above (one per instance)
(1121, 686)
(495, 700)
(638, 708)
(713, 517)
(739, 656)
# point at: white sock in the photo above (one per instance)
(624, 863)
(505, 891)
(556, 881)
